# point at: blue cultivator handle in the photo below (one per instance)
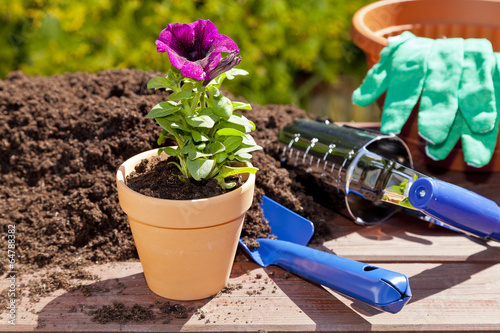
(386, 290)
(456, 207)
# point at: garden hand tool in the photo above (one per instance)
(374, 172)
(380, 288)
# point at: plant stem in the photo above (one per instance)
(196, 98)
(187, 107)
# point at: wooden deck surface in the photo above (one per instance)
(455, 282)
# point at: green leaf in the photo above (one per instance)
(200, 121)
(230, 74)
(242, 156)
(185, 92)
(241, 106)
(248, 149)
(187, 147)
(163, 135)
(159, 82)
(220, 157)
(171, 123)
(230, 132)
(396, 189)
(214, 91)
(217, 82)
(215, 148)
(199, 137)
(229, 186)
(169, 151)
(252, 125)
(248, 140)
(227, 124)
(208, 111)
(242, 121)
(194, 154)
(163, 109)
(223, 106)
(406, 203)
(200, 168)
(227, 171)
(232, 142)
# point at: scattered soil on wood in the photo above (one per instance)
(122, 314)
(62, 139)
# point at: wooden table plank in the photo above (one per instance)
(453, 296)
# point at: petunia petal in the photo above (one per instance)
(167, 43)
(195, 48)
(193, 70)
(210, 63)
(200, 70)
(225, 44)
(176, 38)
(176, 60)
(184, 35)
(205, 33)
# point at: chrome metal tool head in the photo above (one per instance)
(374, 171)
(353, 160)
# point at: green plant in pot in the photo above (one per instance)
(187, 247)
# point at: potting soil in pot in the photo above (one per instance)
(61, 141)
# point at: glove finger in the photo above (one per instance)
(376, 80)
(440, 151)
(409, 66)
(479, 147)
(439, 101)
(476, 92)
(373, 86)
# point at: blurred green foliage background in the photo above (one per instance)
(290, 47)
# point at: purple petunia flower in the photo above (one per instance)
(195, 48)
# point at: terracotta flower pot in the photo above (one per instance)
(186, 247)
(372, 24)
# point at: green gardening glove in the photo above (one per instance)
(378, 77)
(476, 94)
(439, 100)
(401, 72)
(478, 147)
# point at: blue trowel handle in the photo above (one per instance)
(457, 207)
(383, 289)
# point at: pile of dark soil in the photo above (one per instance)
(62, 139)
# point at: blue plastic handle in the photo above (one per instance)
(380, 288)
(457, 207)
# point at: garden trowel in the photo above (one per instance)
(374, 172)
(383, 289)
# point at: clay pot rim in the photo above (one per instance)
(359, 26)
(121, 175)
(372, 41)
(182, 214)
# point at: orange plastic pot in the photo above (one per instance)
(374, 23)
(186, 247)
